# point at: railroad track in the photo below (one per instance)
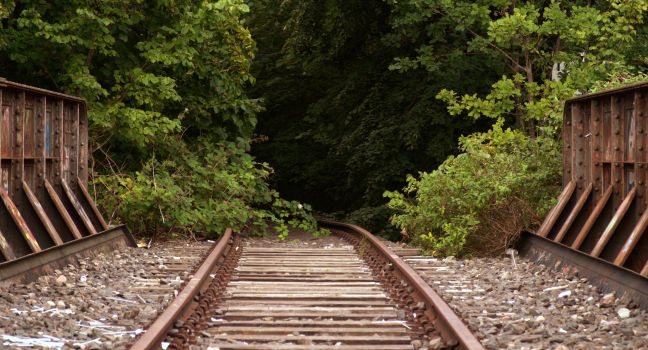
(347, 291)
(344, 292)
(596, 231)
(318, 295)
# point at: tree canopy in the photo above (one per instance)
(505, 179)
(171, 120)
(147, 69)
(343, 124)
(361, 93)
(343, 103)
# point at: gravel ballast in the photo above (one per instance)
(510, 303)
(515, 304)
(103, 303)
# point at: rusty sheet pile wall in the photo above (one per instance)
(602, 210)
(44, 174)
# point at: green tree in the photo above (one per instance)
(146, 69)
(552, 51)
(165, 83)
(478, 201)
(342, 125)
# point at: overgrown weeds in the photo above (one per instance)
(477, 202)
(202, 189)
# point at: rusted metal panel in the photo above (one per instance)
(20, 224)
(62, 211)
(90, 206)
(83, 146)
(580, 146)
(631, 242)
(552, 217)
(613, 224)
(85, 219)
(45, 220)
(43, 172)
(574, 213)
(641, 156)
(606, 161)
(593, 217)
(567, 150)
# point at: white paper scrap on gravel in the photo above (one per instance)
(45, 341)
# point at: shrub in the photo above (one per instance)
(477, 202)
(204, 190)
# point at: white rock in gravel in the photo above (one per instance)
(623, 312)
(564, 294)
(51, 304)
(540, 318)
(60, 304)
(608, 299)
(61, 280)
(435, 343)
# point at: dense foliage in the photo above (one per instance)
(204, 189)
(361, 93)
(479, 201)
(342, 125)
(170, 119)
(350, 96)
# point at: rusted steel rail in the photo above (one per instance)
(185, 303)
(421, 297)
(602, 210)
(322, 300)
(44, 201)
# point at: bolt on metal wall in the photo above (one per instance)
(602, 208)
(43, 171)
